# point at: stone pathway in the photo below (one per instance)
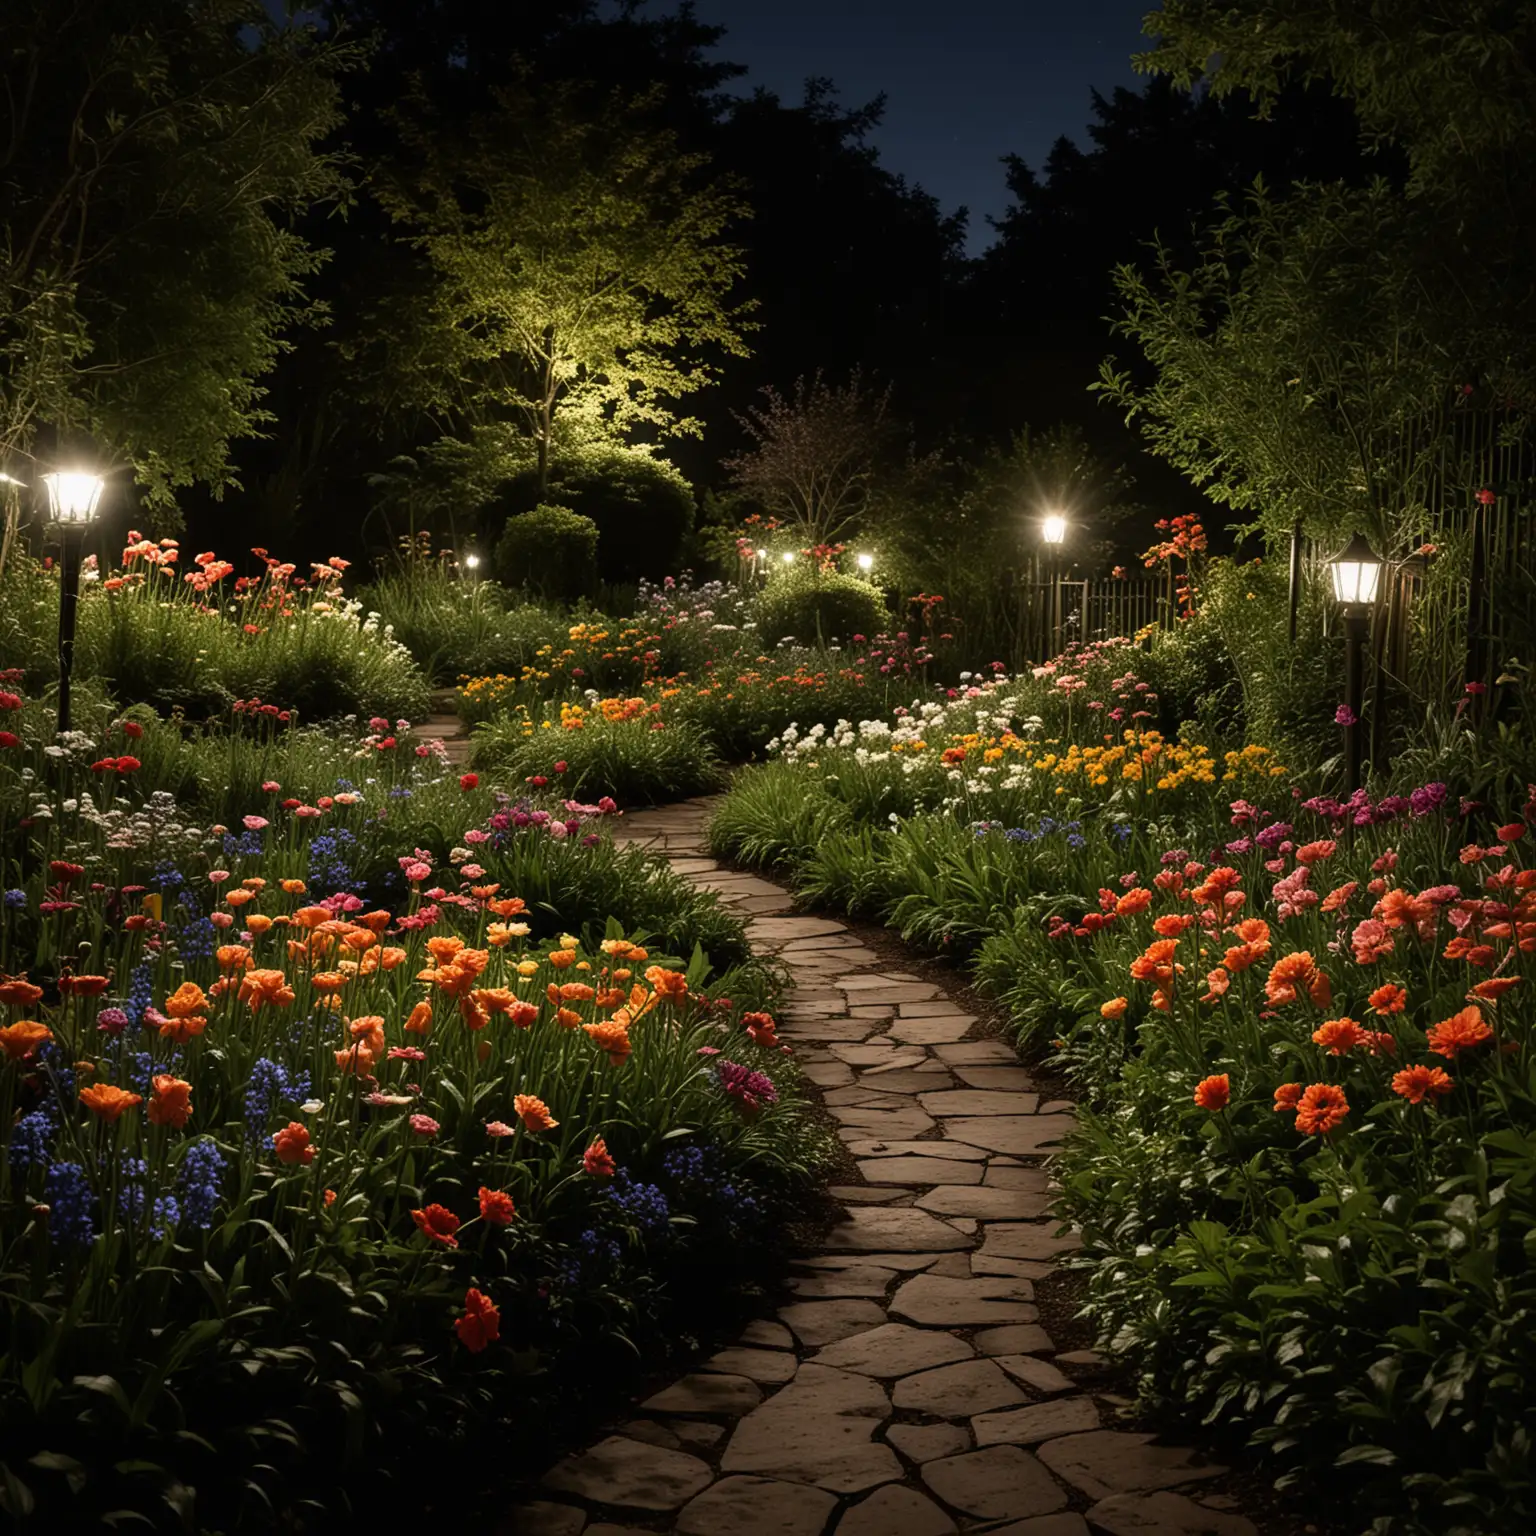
(908, 1388)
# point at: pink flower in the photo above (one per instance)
(255, 823)
(498, 1128)
(1344, 715)
(417, 871)
(424, 1125)
(271, 787)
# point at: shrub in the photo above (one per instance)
(551, 551)
(820, 606)
(621, 748)
(642, 505)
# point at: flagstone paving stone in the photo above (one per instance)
(917, 1303)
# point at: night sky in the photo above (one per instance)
(966, 81)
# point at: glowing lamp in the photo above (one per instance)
(73, 497)
(1356, 573)
(866, 562)
(472, 562)
(1054, 529)
(789, 559)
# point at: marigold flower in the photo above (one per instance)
(420, 1020)
(1171, 924)
(171, 1103)
(1217, 982)
(533, 1112)
(1287, 975)
(18, 992)
(481, 1323)
(496, 1208)
(1491, 990)
(1340, 1036)
(107, 1102)
(1156, 963)
(1316, 853)
(613, 1037)
(1320, 1109)
(83, 986)
(20, 1039)
(596, 1162)
(1388, 998)
(1415, 1083)
(1463, 1031)
(1134, 901)
(180, 1029)
(259, 987)
(439, 1223)
(1214, 1093)
(1287, 1096)
(523, 1013)
(671, 986)
(1114, 1008)
(292, 1144)
(761, 1030)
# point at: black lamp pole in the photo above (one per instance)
(72, 543)
(1356, 627)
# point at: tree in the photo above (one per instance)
(153, 157)
(577, 269)
(815, 455)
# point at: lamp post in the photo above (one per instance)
(472, 565)
(1356, 573)
(866, 563)
(1053, 530)
(72, 500)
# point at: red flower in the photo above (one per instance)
(596, 1161)
(1414, 1083)
(292, 1144)
(439, 1223)
(481, 1323)
(469, 781)
(1320, 1109)
(1214, 1093)
(496, 1208)
(1463, 1031)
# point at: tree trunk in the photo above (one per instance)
(546, 407)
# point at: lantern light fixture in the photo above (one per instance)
(1054, 528)
(472, 562)
(1356, 573)
(866, 562)
(789, 559)
(73, 497)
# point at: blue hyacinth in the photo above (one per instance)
(270, 1084)
(199, 1180)
(67, 1193)
(643, 1204)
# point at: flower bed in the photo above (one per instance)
(1306, 1174)
(394, 1144)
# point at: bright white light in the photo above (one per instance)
(866, 562)
(1054, 529)
(472, 561)
(762, 554)
(72, 497)
(6, 479)
(1356, 573)
(788, 558)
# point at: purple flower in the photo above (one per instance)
(1273, 835)
(751, 1089)
(112, 1021)
(1344, 715)
(1427, 799)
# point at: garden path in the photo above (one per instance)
(908, 1388)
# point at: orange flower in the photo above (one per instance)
(1287, 975)
(23, 1037)
(1388, 998)
(1287, 1096)
(1218, 983)
(1214, 887)
(523, 1013)
(172, 1101)
(612, 1037)
(107, 1102)
(481, 1323)
(533, 1112)
(1134, 901)
(761, 1030)
(239, 898)
(1414, 1083)
(1316, 853)
(1340, 1036)
(496, 1208)
(1463, 1031)
(507, 906)
(420, 1021)
(187, 999)
(562, 959)
(310, 917)
(495, 999)
(1320, 1109)
(1338, 898)
(1171, 924)
(293, 887)
(567, 1018)
(83, 986)
(671, 986)
(18, 992)
(265, 987)
(1114, 1008)
(183, 1029)
(1214, 1093)
(292, 1144)
(1254, 931)
(374, 922)
(327, 983)
(370, 1031)
(232, 957)
(443, 947)
(1156, 963)
(576, 992)
(439, 1223)
(596, 1162)
(1494, 988)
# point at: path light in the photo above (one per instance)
(789, 559)
(472, 562)
(1053, 529)
(866, 562)
(73, 497)
(1356, 573)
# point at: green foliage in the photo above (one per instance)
(638, 760)
(642, 505)
(550, 551)
(150, 256)
(817, 606)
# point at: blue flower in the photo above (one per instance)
(67, 1193)
(32, 1137)
(17, 898)
(141, 992)
(202, 1170)
(271, 1084)
(197, 940)
(643, 1204)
